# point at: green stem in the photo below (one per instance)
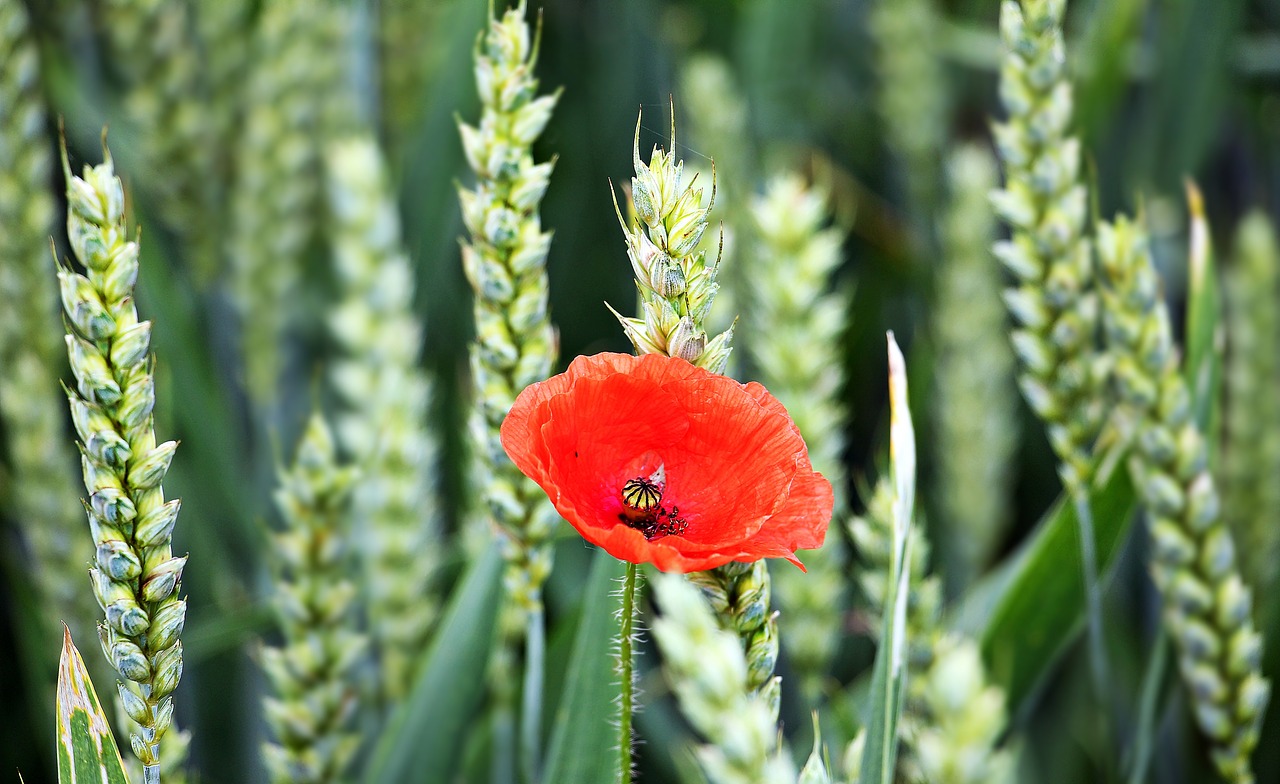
(531, 705)
(1093, 606)
(1151, 683)
(503, 765)
(1093, 598)
(625, 671)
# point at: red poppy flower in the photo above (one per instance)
(659, 461)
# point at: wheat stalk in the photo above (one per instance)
(38, 453)
(387, 396)
(789, 273)
(1251, 459)
(712, 680)
(1208, 609)
(275, 199)
(974, 372)
(135, 576)
(311, 674)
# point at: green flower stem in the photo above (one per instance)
(1207, 608)
(626, 673)
(312, 673)
(135, 576)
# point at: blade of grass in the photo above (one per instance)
(1039, 608)
(425, 739)
(581, 747)
(1154, 683)
(87, 751)
(1206, 338)
(889, 674)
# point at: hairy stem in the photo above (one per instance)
(626, 696)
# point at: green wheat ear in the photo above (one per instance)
(1208, 610)
(505, 262)
(677, 283)
(912, 100)
(154, 53)
(135, 576)
(312, 673)
(720, 124)
(739, 722)
(39, 455)
(975, 373)
(275, 201)
(794, 346)
(953, 712)
(1251, 455)
(1045, 203)
(386, 396)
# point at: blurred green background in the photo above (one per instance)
(1164, 91)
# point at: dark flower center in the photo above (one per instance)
(643, 509)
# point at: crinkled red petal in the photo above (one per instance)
(735, 462)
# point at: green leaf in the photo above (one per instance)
(1038, 604)
(425, 738)
(582, 741)
(87, 750)
(889, 674)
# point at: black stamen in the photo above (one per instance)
(657, 523)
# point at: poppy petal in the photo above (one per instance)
(801, 523)
(736, 470)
